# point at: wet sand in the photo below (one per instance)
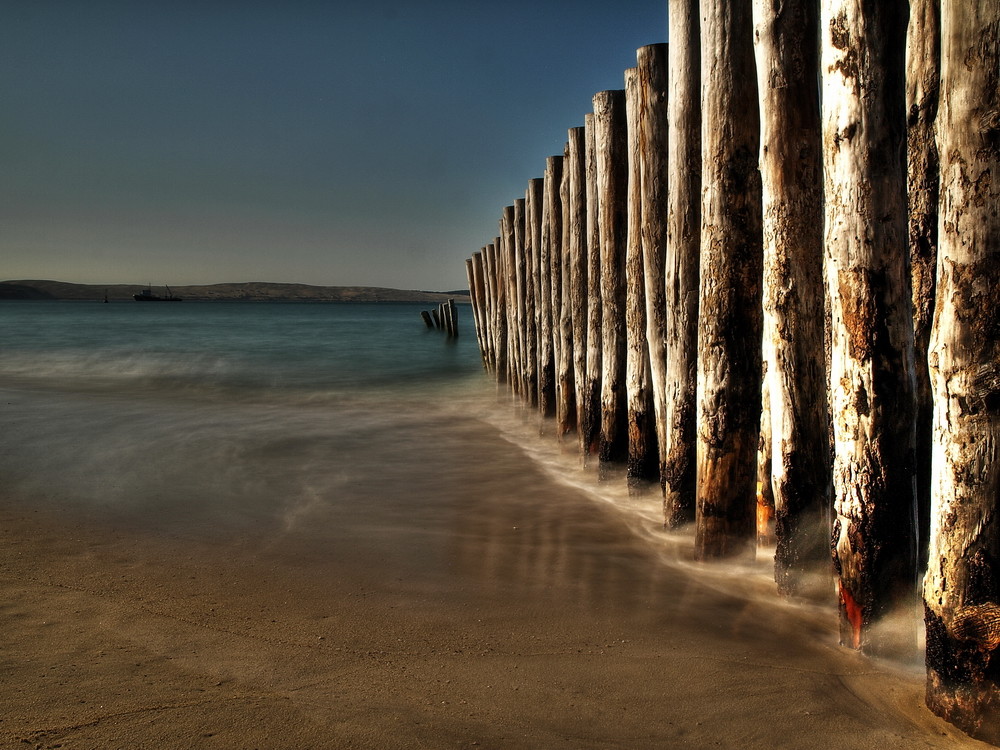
(525, 625)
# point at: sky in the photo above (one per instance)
(341, 143)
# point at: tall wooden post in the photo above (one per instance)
(520, 262)
(506, 226)
(683, 251)
(533, 241)
(923, 61)
(642, 453)
(551, 226)
(478, 289)
(498, 315)
(652, 66)
(729, 333)
(962, 585)
(791, 164)
(610, 135)
(577, 254)
(565, 379)
(590, 424)
(872, 323)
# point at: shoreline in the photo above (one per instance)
(120, 636)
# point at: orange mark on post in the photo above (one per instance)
(765, 513)
(854, 614)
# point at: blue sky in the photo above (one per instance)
(342, 143)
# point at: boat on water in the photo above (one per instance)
(146, 295)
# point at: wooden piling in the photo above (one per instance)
(867, 273)
(551, 227)
(520, 279)
(499, 313)
(651, 63)
(642, 452)
(683, 258)
(428, 320)
(590, 420)
(533, 239)
(577, 254)
(794, 416)
(729, 331)
(565, 381)
(962, 584)
(610, 135)
(506, 227)
(923, 60)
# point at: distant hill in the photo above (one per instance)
(250, 291)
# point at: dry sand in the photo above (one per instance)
(534, 636)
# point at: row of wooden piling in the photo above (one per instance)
(443, 318)
(726, 288)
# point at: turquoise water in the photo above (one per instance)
(248, 349)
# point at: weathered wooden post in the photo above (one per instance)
(683, 251)
(729, 332)
(651, 62)
(867, 273)
(533, 241)
(962, 585)
(577, 254)
(551, 227)
(610, 135)
(642, 453)
(565, 379)
(452, 319)
(923, 61)
(791, 164)
(590, 424)
(520, 280)
(428, 320)
(479, 306)
(470, 275)
(506, 226)
(499, 309)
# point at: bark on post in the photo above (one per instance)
(499, 312)
(577, 254)
(652, 65)
(478, 306)
(610, 135)
(791, 164)
(729, 333)
(642, 453)
(923, 60)
(488, 304)
(520, 262)
(962, 585)
(565, 381)
(506, 226)
(872, 322)
(533, 239)
(590, 425)
(683, 249)
(551, 226)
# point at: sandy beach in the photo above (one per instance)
(547, 637)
